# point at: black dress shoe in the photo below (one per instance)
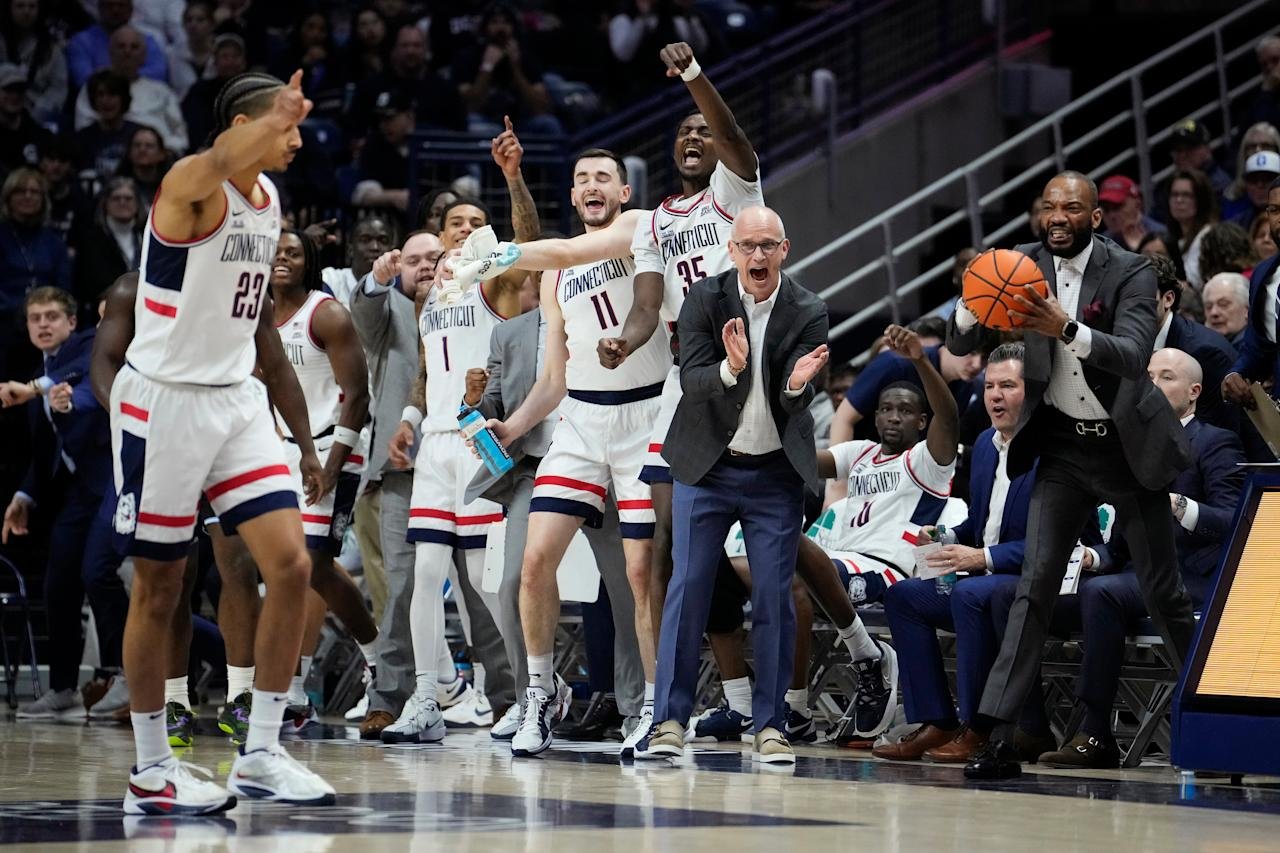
(997, 760)
(602, 715)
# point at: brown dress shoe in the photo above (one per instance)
(914, 745)
(1030, 747)
(960, 749)
(374, 723)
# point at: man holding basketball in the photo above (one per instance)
(1102, 431)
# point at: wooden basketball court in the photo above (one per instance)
(61, 785)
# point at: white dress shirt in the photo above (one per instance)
(1192, 513)
(1162, 336)
(999, 494)
(757, 433)
(1068, 391)
(1269, 305)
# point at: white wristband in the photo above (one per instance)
(413, 415)
(346, 435)
(692, 71)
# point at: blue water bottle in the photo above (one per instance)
(492, 453)
(945, 583)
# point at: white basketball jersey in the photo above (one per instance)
(595, 299)
(890, 499)
(311, 363)
(455, 338)
(198, 301)
(686, 239)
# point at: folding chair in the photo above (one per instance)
(17, 600)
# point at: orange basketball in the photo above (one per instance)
(991, 282)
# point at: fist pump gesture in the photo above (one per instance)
(904, 342)
(612, 352)
(677, 57)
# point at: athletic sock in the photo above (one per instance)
(175, 690)
(366, 649)
(477, 677)
(737, 692)
(858, 641)
(798, 700)
(649, 691)
(239, 680)
(425, 683)
(265, 718)
(542, 673)
(150, 737)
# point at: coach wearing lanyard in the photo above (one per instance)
(741, 449)
(1103, 432)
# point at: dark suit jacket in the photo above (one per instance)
(84, 433)
(1120, 288)
(1007, 552)
(1214, 481)
(513, 357)
(1216, 356)
(709, 413)
(1258, 354)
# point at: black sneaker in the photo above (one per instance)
(601, 717)
(877, 696)
(801, 727)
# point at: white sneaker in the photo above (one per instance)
(420, 722)
(472, 713)
(452, 693)
(51, 705)
(115, 700)
(273, 774)
(508, 723)
(358, 711)
(542, 713)
(628, 749)
(168, 788)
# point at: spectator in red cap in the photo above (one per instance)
(1260, 169)
(1122, 214)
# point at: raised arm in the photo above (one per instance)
(732, 145)
(115, 331)
(943, 437)
(613, 241)
(335, 331)
(550, 388)
(197, 179)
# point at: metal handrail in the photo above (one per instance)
(978, 202)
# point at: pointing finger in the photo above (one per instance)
(295, 82)
(506, 120)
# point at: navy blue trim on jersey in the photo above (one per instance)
(254, 507)
(161, 552)
(633, 530)
(471, 543)
(928, 509)
(430, 536)
(166, 265)
(655, 474)
(562, 506)
(618, 398)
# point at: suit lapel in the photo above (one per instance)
(1091, 281)
(781, 319)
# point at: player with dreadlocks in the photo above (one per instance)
(188, 417)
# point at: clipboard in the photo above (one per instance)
(1265, 417)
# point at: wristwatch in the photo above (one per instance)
(1069, 331)
(1180, 509)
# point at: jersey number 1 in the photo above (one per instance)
(245, 305)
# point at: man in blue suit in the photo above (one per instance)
(1203, 499)
(989, 550)
(69, 472)
(1258, 351)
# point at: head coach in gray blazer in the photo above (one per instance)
(1103, 434)
(741, 449)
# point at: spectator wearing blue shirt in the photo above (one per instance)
(1260, 170)
(88, 50)
(31, 253)
(69, 473)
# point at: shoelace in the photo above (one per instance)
(535, 707)
(870, 684)
(183, 771)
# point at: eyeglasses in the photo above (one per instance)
(1271, 209)
(748, 248)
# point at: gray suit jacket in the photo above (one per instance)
(1118, 303)
(709, 413)
(388, 331)
(513, 359)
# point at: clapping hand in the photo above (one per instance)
(736, 349)
(807, 367)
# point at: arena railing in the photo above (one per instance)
(879, 52)
(1110, 126)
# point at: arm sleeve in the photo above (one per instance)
(927, 473)
(701, 352)
(733, 192)
(1125, 351)
(845, 453)
(1223, 481)
(1006, 557)
(490, 404)
(879, 372)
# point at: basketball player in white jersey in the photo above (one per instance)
(599, 441)
(188, 417)
(896, 487)
(455, 327)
